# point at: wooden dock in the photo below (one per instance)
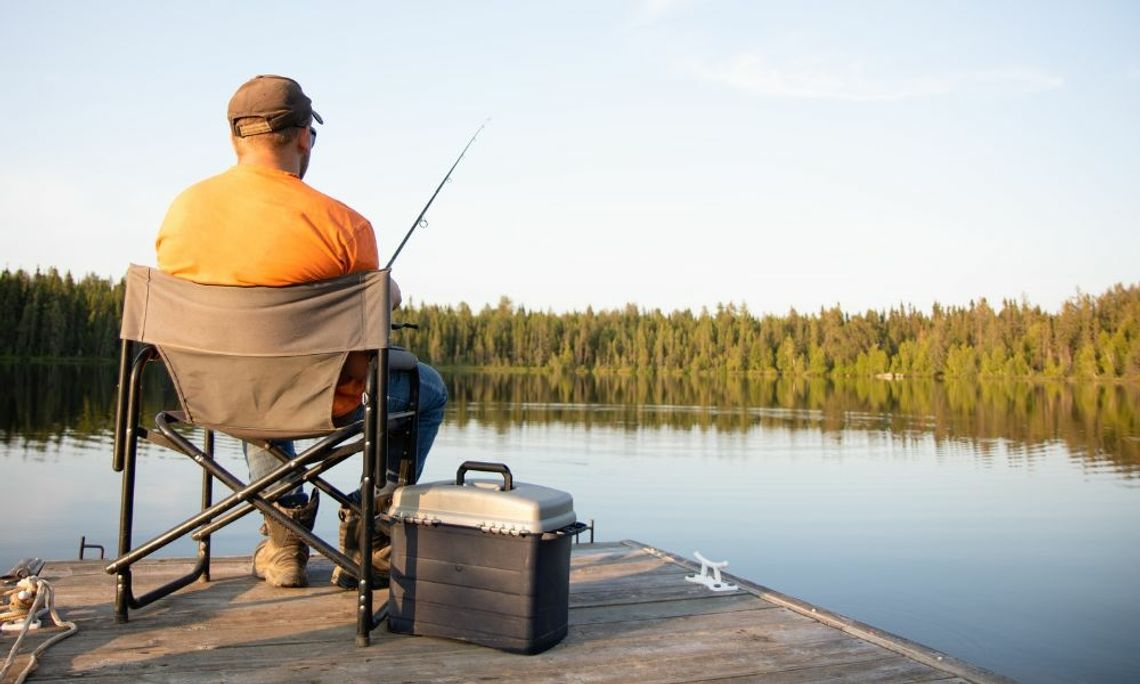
(633, 618)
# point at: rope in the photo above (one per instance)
(21, 600)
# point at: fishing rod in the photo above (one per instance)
(420, 219)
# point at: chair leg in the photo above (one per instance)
(128, 410)
(207, 500)
(375, 437)
(121, 389)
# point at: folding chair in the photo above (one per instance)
(260, 364)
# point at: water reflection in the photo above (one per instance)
(991, 521)
(41, 402)
(1096, 422)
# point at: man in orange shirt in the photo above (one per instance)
(258, 223)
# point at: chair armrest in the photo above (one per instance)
(401, 359)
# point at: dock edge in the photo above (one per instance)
(892, 642)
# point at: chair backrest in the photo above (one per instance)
(257, 362)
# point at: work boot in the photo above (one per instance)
(350, 546)
(280, 559)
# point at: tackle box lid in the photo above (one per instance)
(500, 506)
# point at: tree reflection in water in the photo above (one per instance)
(1095, 421)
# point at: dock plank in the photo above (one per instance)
(633, 617)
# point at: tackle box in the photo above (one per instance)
(485, 561)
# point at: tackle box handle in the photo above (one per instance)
(485, 467)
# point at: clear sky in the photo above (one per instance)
(667, 153)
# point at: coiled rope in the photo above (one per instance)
(30, 598)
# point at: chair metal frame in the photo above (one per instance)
(380, 464)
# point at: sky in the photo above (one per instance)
(667, 153)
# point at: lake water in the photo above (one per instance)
(996, 522)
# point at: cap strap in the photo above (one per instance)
(253, 128)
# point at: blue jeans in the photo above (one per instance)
(433, 397)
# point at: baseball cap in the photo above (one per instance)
(278, 101)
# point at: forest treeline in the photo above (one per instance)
(46, 314)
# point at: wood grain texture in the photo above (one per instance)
(633, 618)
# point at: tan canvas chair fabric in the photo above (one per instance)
(257, 362)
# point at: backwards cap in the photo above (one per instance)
(277, 102)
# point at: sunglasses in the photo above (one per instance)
(312, 135)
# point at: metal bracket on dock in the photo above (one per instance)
(710, 574)
(83, 546)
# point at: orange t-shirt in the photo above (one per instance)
(255, 225)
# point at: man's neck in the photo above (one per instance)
(287, 163)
